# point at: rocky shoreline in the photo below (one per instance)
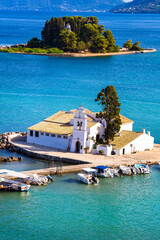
(4, 140)
(10, 159)
(5, 144)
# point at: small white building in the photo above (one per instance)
(79, 129)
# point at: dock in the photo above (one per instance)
(82, 160)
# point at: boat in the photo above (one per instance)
(88, 176)
(40, 180)
(104, 172)
(142, 168)
(115, 172)
(10, 185)
(124, 170)
(21, 177)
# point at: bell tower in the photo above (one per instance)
(79, 131)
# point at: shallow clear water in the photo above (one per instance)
(118, 208)
(34, 87)
(27, 163)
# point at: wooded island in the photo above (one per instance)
(74, 34)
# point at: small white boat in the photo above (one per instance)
(88, 176)
(115, 172)
(124, 170)
(104, 172)
(33, 180)
(142, 168)
(10, 185)
(40, 180)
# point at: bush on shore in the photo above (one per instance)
(31, 50)
(131, 46)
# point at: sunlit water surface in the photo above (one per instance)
(35, 87)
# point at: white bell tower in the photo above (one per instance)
(79, 131)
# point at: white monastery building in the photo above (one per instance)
(79, 129)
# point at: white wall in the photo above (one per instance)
(107, 150)
(49, 141)
(127, 127)
(140, 144)
(92, 132)
(80, 137)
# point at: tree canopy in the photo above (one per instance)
(109, 101)
(131, 46)
(111, 47)
(67, 40)
(76, 34)
(84, 32)
(128, 44)
(34, 43)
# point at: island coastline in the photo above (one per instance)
(86, 54)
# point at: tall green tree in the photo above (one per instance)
(128, 44)
(34, 43)
(110, 39)
(89, 32)
(51, 31)
(98, 44)
(109, 101)
(136, 47)
(67, 40)
(81, 46)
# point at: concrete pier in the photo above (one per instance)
(82, 160)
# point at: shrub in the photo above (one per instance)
(100, 152)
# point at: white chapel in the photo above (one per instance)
(76, 130)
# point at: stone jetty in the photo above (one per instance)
(17, 142)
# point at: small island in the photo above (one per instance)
(74, 36)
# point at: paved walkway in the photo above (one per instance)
(150, 157)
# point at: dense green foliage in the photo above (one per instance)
(128, 44)
(111, 47)
(73, 34)
(34, 43)
(136, 47)
(76, 34)
(108, 99)
(131, 46)
(31, 50)
(67, 40)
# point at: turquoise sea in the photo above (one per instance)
(35, 87)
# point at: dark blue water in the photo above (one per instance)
(34, 87)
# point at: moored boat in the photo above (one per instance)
(88, 176)
(10, 185)
(21, 177)
(124, 170)
(104, 172)
(115, 172)
(142, 168)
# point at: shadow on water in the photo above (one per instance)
(28, 163)
(70, 180)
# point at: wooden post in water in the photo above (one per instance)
(59, 165)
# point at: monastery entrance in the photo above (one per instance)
(78, 146)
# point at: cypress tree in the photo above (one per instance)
(108, 99)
